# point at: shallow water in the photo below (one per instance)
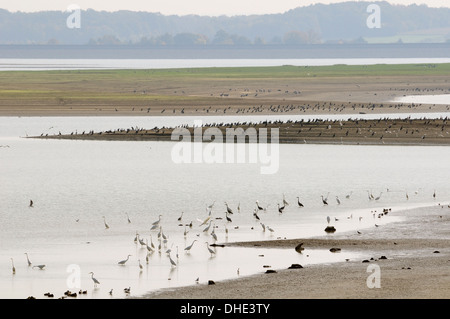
(80, 64)
(425, 99)
(86, 180)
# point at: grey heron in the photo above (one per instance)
(28, 260)
(41, 267)
(122, 262)
(188, 248)
(104, 220)
(96, 282)
(212, 252)
(229, 210)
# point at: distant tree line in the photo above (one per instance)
(221, 38)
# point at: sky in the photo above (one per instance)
(184, 7)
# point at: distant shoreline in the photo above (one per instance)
(267, 51)
(357, 132)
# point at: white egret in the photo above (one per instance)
(298, 202)
(179, 218)
(377, 198)
(96, 282)
(31, 203)
(263, 227)
(324, 201)
(328, 219)
(348, 196)
(13, 268)
(122, 262)
(128, 218)
(140, 266)
(228, 218)
(338, 201)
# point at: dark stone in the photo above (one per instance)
(330, 229)
(333, 250)
(270, 271)
(383, 257)
(295, 266)
(211, 282)
(436, 252)
(365, 261)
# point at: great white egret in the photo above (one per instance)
(324, 201)
(298, 202)
(13, 268)
(338, 201)
(122, 262)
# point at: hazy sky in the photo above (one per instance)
(183, 7)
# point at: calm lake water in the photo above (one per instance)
(77, 64)
(73, 184)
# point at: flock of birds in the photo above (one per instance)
(207, 226)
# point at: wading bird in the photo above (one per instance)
(298, 202)
(188, 248)
(41, 267)
(212, 252)
(104, 220)
(96, 282)
(28, 260)
(13, 268)
(259, 207)
(324, 200)
(122, 262)
(338, 201)
(229, 210)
